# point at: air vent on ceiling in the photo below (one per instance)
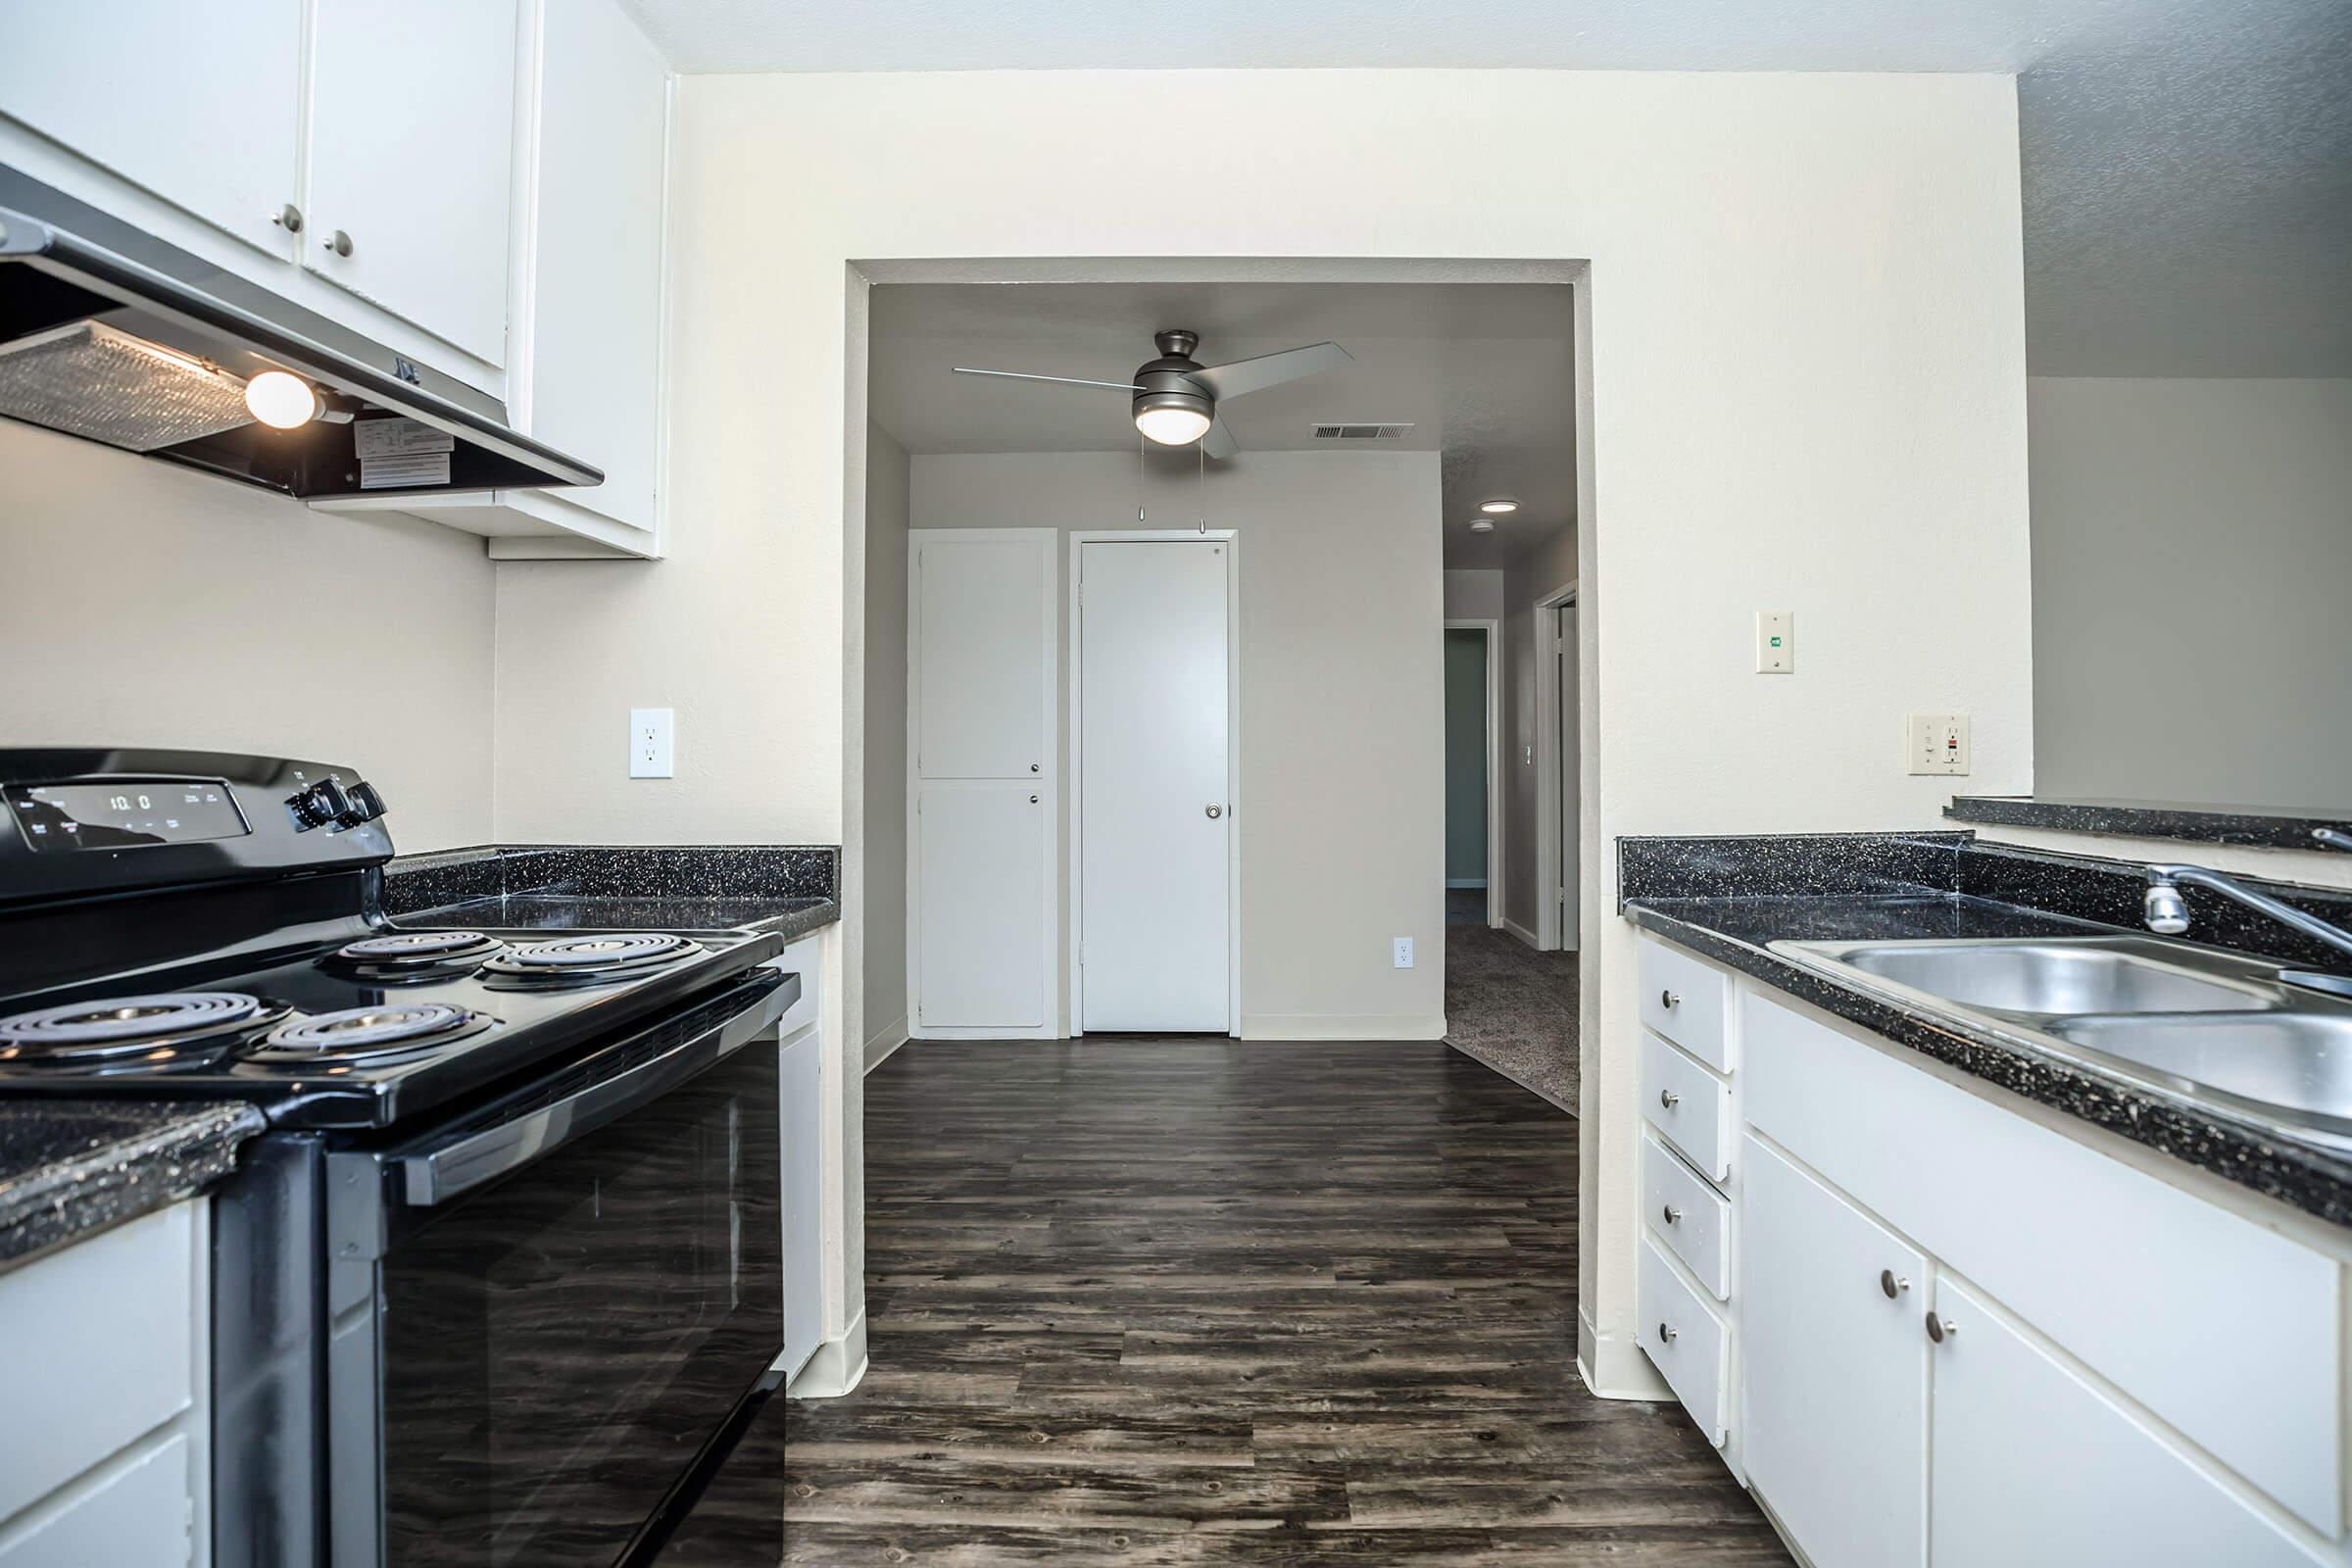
(1325, 431)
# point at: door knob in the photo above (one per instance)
(1216, 811)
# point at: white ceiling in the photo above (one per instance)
(2187, 163)
(1483, 372)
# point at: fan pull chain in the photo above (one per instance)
(1139, 475)
(1201, 450)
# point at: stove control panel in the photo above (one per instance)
(116, 813)
(330, 803)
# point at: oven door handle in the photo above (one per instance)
(437, 1175)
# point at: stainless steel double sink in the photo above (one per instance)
(2213, 1026)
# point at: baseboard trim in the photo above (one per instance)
(834, 1367)
(1465, 881)
(889, 1038)
(1343, 1026)
(1522, 933)
(1615, 1368)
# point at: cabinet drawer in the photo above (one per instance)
(1693, 1218)
(1686, 1000)
(2034, 1464)
(1683, 1337)
(98, 1339)
(2223, 1328)
(1687, 1105)
(139, 1513)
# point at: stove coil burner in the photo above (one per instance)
(166, 1030)
(593, 958)
(367, 1034)
(414, 955)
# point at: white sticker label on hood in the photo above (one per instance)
(385, 438)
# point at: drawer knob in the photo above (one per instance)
(1940, 1329)
(1893, 1283)
(1669, 1098)
(1667, 999)
(1672, 1213)
(1665, 1334)
(338, 242)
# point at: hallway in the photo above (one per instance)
(1511, 1006)
(1190, 1301)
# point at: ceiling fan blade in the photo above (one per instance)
(1271, 369)
(1217, 441)
(1057, 380)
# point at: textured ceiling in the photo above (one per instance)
(1484, 373)
(2187, 163)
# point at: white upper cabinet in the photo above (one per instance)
(198, 104)
(411, 158)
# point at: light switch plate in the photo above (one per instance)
(653, 743)
(1936, 743)
(1776, 642)
(1404, 953)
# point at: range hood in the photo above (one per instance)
(113, 335)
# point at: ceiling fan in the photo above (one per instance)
(1176, 398)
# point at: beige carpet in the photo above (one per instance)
(1513, 1009)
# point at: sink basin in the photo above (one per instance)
(2062, 976)
(2295, 1061)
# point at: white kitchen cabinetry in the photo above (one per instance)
(803, 1083)
(1967, 1331)
(104, 1357)
(412, 160)
(199, 105)
(1837, 1363)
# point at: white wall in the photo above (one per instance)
(2192, 590)
(1543, 568)
(1806, 390)
(1474, 595)
(881, 929)
(151, 606)
(1342, 806)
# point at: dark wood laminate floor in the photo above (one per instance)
(1176, 1302)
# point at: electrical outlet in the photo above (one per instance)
(1776, 642)
(653, 743)
(1937, 742)
(1404, 953)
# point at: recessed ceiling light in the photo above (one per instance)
(1482, 524)
(1500, 506)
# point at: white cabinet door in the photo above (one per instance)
(1833, 1423)
(593, 382)
(804, 1280)
(139, 1512)
(2034, 1466)
(411, 159)
(199, 103)
(979, 932)
(984, 623)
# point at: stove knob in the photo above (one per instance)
(323, 802)
(364, 806)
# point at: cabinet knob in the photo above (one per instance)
(1667, 999)
(338, 242)
(1032, 800)
(1672, 1213)
(1666, 1334)
(1669, 1098)
(1033, 768)
(1940, 1329)
(289, 217)
(1892, 1284)
(1214, 812)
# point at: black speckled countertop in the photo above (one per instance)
(2280, 827)
(1730, 899)
(69, 1168)
(786, 888)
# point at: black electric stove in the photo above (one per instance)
(509, 1260)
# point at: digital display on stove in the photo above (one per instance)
(120, 813)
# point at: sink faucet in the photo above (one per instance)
(2166, 911)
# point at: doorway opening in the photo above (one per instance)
(1473, 772)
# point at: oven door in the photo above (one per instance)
(573, 1288)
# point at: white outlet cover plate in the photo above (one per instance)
(1403, 957)
(1776, 642)
(1936, 743)
(653, 743)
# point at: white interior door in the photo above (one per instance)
(1156, 737)
(1565, 644)
(980, 944)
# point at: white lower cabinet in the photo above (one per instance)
(804, 1172)
(2034, 1465)
(1686, 1340)
(1834, 1355)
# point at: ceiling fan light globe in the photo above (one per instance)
(1172, 427)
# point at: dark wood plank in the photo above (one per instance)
(1182, 1303)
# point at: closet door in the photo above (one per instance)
(984, 819)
